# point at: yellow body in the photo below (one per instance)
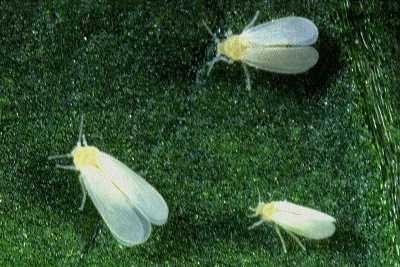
(234, 47)
(85, 156)
(266, 211)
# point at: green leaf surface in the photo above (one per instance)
(327, 139)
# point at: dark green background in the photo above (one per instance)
(328, 139)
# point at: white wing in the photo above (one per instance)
(125, 222)
(295, 31)
(141, 194)
(289, 60)
(304, 221)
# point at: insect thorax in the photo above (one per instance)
(234, 47)
(85, 156)
(266, 211)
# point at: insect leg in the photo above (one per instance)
(256, 224)
(296, 239)
(281, 238)
(252, 21)
(215, 60)
(84, 193)
(66, 167)
(212, 62)
(227, 60)
(247, 75)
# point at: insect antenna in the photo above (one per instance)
(255, 209)
(259, 195)
(80, 132)
(59, 156)
(254, 214)
(251, 23)
(214, 36)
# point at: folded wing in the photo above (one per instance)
(125, 222)
(141, 194)
(289, 60)
(291, 31)
(304, 221)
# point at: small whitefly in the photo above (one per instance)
(127, 203)
(295, 220)
(281, 46)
